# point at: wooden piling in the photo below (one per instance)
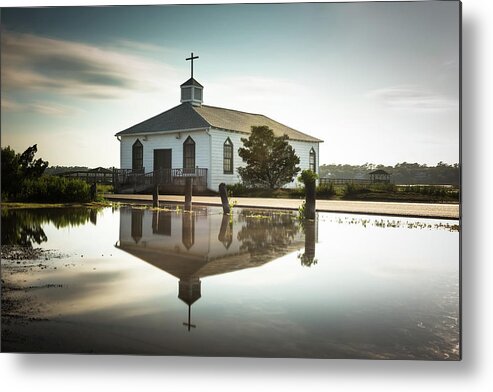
(188, 194)
(93, 191)
(311, 195)
(155, 196)
(224, 198)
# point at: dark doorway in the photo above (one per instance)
(162, 165)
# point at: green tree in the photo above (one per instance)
(270, 160)
(17, 168)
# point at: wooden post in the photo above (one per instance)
(93, 191)
(155, 196)
(224, 198)
(311, 194)
(188, 194)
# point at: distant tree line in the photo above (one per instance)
(54, 170)
(402, 173)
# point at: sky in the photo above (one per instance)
(378, 82)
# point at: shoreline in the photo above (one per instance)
(447, 211)
(401, 209)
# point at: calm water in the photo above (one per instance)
(133, 280)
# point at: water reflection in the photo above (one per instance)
(194, 245)
(308, 257)
(24, 227)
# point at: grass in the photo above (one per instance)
(371, 192)
(21, 205)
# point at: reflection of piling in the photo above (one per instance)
(93, 191)
(188, 194)
(155, 196)
(310, 237)
(188, 230)
(226, 231)
(311, 194)
(224, 198)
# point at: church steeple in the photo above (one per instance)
(191, 90)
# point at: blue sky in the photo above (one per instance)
(378, 82)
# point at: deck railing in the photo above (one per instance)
(139, 179)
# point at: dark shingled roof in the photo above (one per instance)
(191, 82)
(186, 116)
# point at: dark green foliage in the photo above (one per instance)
(402, 173)
(307, 176)
(270, 161)
(237, 189)
(24, 227)
(23, 180)
(266, 234)
(325, 191)
(355, 189)
(53, 189)
(17, 168)
(10, 172)
(30, 168)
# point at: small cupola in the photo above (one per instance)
(191, 91)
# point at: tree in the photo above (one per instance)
(16, 168)
(270, 160)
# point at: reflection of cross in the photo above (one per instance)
(189, 314)
(192, 57)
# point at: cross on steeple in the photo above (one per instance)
(189, 319)
(191, 58)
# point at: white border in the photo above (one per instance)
(126, 373)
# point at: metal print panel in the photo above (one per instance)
(261, 180)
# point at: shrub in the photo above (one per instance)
(237, 189)
(355, 189)
(53, 189)
(326, 191)
(307, 176)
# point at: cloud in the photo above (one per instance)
(7, 105)
(414, 99)
(38, 63)
(46, 108)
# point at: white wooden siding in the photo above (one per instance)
(302, 150)
(218, 137)
(208, 153)
(172, 141)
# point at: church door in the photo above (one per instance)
(162, 160)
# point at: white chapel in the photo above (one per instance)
(193, 138)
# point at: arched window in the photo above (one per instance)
(189, 153)
(312, 163)
(137, 155)
(228, 156)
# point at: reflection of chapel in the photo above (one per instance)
(191, 246)
(201, 140)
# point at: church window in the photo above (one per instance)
(197, 94)
(189, 153)
(137, 155)
(312, 162)
(228, 156)
(186, 93)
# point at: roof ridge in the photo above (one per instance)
(202, 117)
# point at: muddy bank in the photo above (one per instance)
(20, 305)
